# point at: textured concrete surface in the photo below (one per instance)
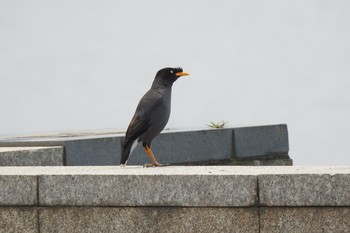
(18, 220)
(31, 156)
(18, 190)
(176, 185)
(142, 189)
(304, 190)
(174, 199)
(149, 219)
(176, 170)
(93, 151)
(313, 220)
(260, 141)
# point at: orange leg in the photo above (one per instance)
(151, 156)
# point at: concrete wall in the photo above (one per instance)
(258, 145)
(175, 199)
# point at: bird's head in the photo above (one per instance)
(167, 76)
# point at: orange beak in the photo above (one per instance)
(181, 74)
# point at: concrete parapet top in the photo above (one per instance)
(174, 170)
(174, 199)
(190, 186)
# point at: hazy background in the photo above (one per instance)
(84, 65)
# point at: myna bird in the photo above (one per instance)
(151, 116)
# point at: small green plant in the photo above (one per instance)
(218, 125)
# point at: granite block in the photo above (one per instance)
(149, 219)
(31, 156)
(93, 151)
(270, 140)
(167, 186)
(18, 220)
(18, 190)
(304, 189)
(311, 220)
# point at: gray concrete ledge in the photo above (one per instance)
(230, 186)
(174, 199)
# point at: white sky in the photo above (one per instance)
(82, 65)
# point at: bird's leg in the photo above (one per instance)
(151, 156)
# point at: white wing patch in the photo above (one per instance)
(133, 147)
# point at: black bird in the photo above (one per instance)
(151, 115)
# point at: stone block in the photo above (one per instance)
(187, 147)
(304, 189)
(93, 151)
(149, 219)
(31, 156)
(18, 220)
(270, 140)
(137, 186)
(18, 190)
(312, 219)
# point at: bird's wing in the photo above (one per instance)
(142, 118)
(138, 125)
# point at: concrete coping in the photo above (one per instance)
(175, 170)
(187, 186)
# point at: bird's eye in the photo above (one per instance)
(171, 71)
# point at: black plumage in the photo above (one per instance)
(151, 115)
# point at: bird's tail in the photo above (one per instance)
(127, 148)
